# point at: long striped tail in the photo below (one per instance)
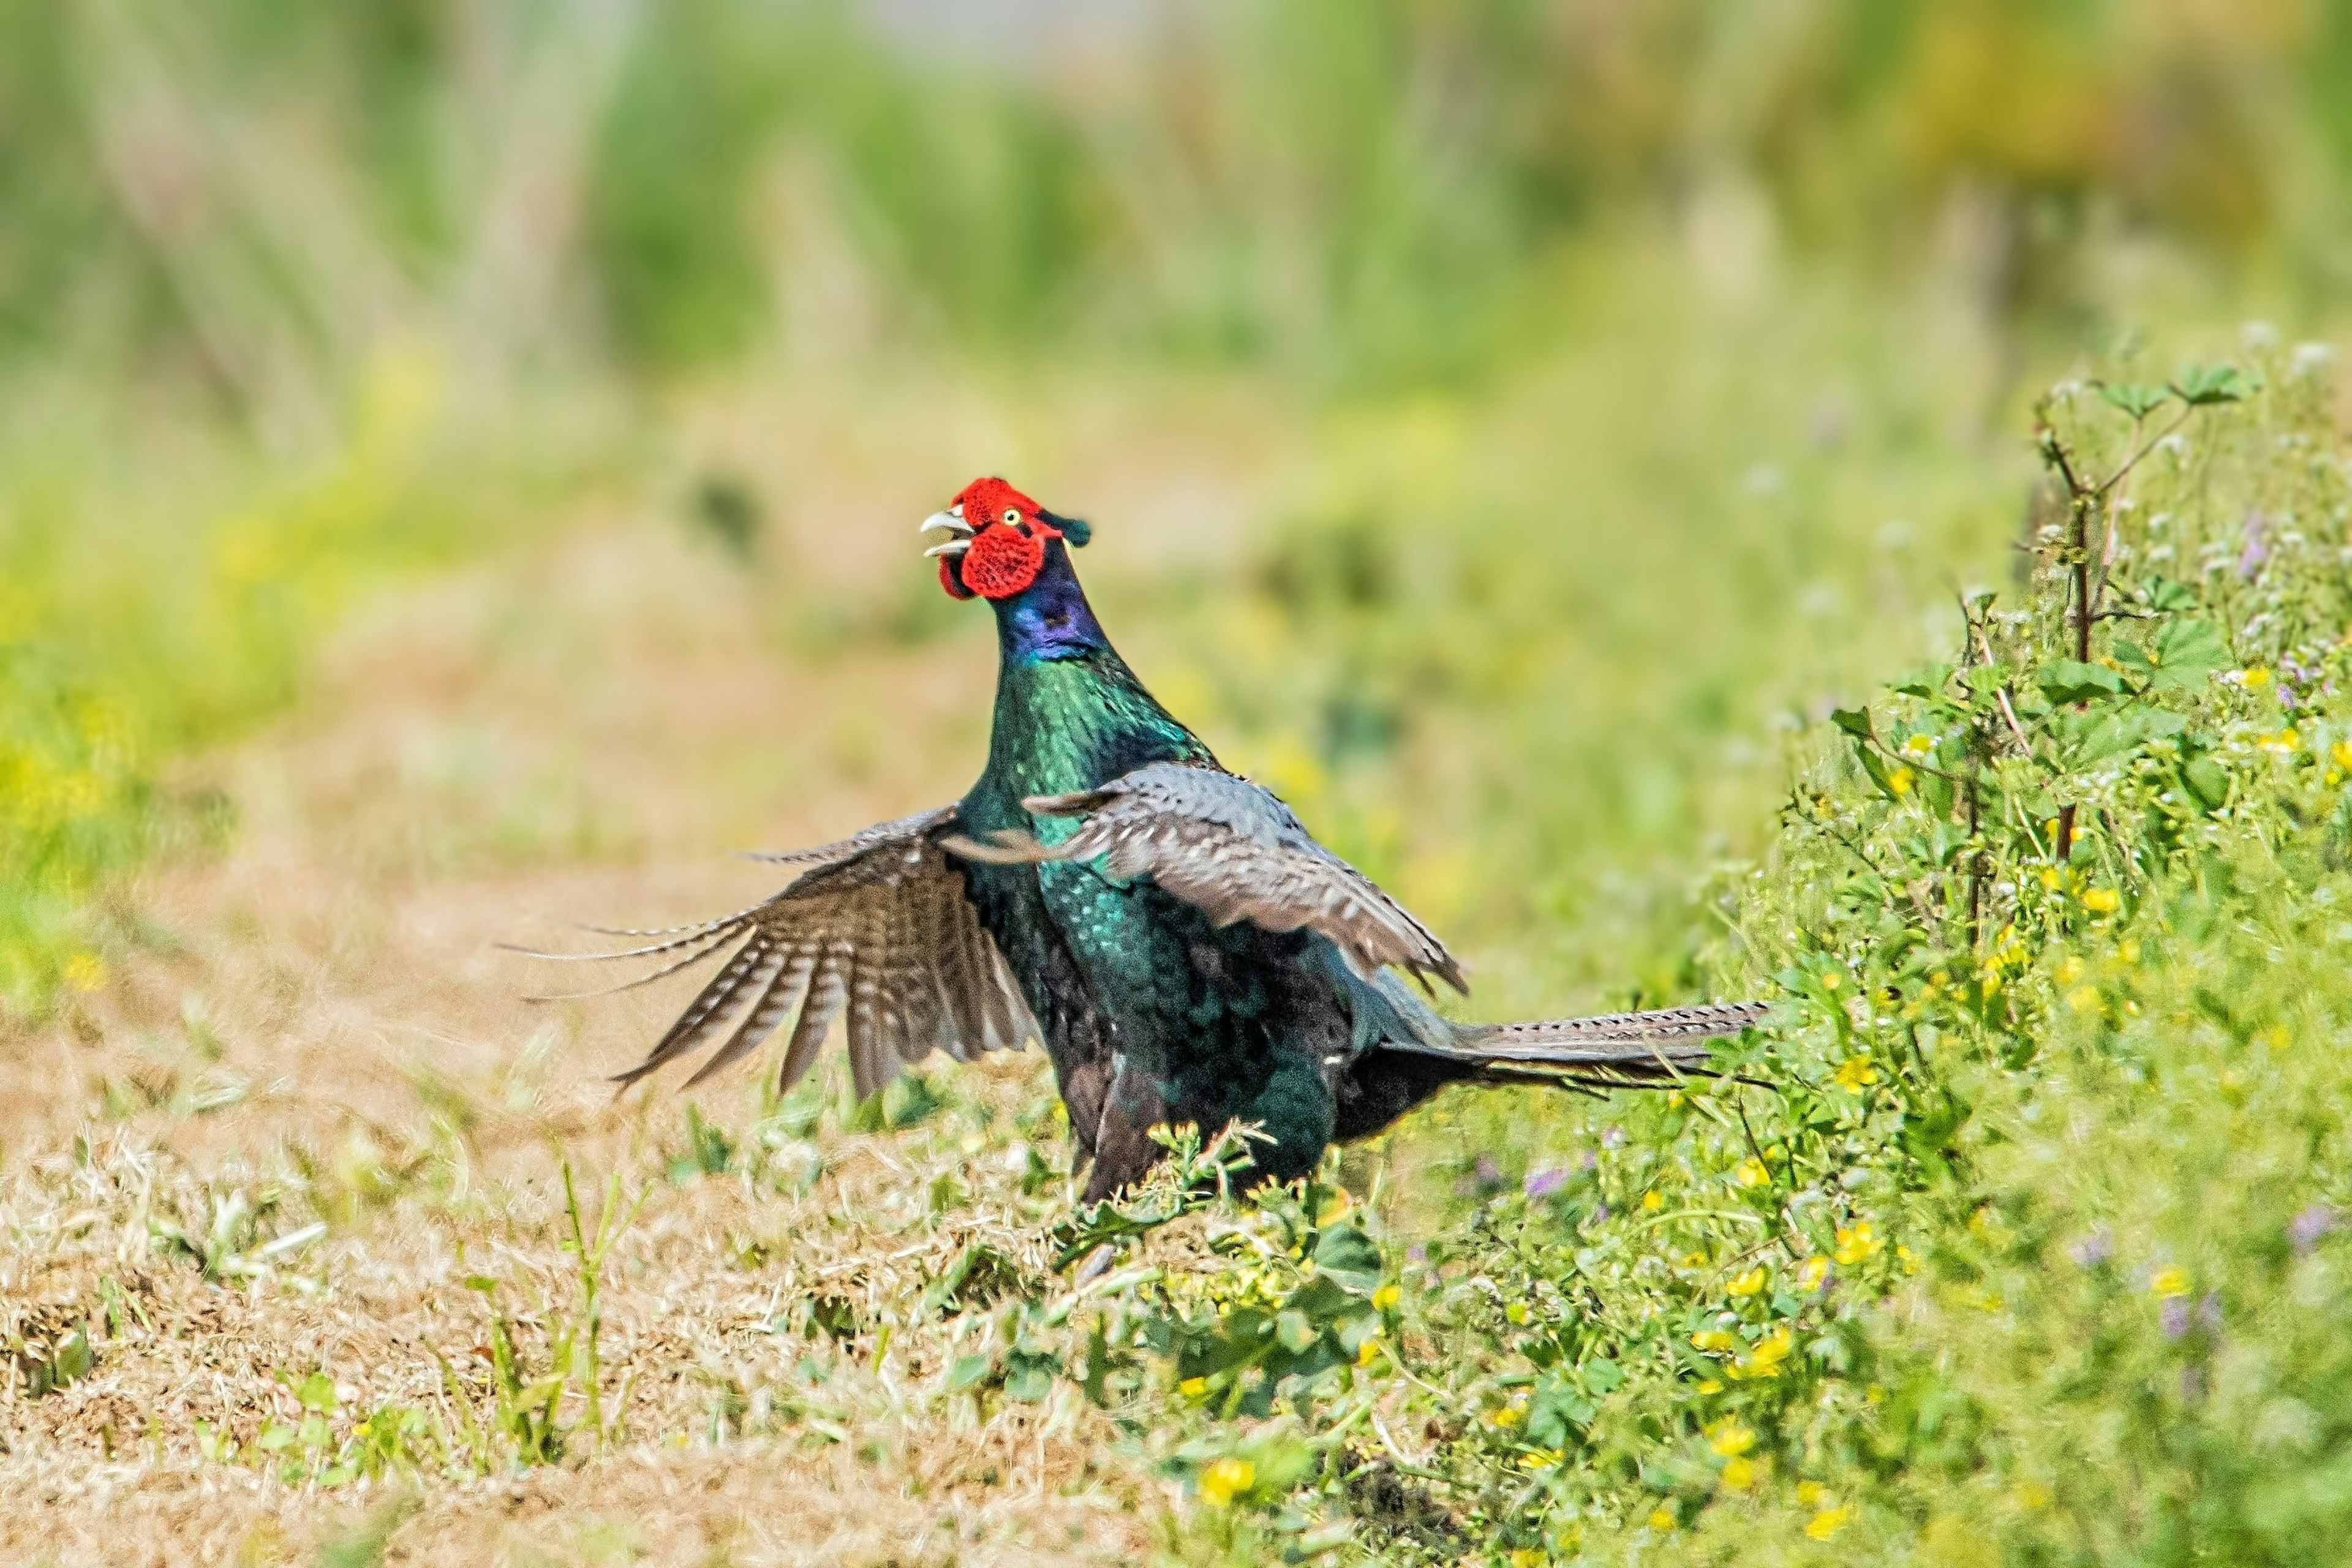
(1612, 1048)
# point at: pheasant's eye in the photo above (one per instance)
(1012, 516)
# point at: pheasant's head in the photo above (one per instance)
(999, 541)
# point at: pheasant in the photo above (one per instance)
(1180, 944)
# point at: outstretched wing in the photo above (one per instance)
(1232, 850)
(878, 927)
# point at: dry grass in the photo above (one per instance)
(321, 1034)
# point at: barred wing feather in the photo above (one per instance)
(878, 928)
(1234, 851)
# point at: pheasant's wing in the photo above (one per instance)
(1234, 851)
(878, 927)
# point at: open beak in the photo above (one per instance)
(959, 534)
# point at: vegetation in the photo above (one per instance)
(441, 449)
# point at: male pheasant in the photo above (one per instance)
(1182, 946)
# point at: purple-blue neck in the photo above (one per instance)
(1050, 618)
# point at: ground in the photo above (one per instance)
(319, 1028)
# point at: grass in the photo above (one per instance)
(1547, 453)
(2038, 1234)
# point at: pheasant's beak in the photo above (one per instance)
(960, 531)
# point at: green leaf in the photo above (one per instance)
(2208, 781)
(2140, 402)
(2164, 593)
(2201, 385)
(965, 1371)
(2067, 681)
(1929, 683)
(1854, 721)
(2184, 652)
(1346, 1257)
(1293, 1332)
(2114, 734)
(1876, 767)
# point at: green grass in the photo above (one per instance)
(1580, 408)
(2030, 1253)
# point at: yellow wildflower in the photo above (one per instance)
(1516, 1311)
(2070, 969)
(1708, 1385)
(2170, 1282)
(1225, 1481)
(1856, 1242)
(1774, 1349)
(1509, 1416)
(1898, 779)
(1194, 1387)
(2285, 743)
(1990, 983)
(1540, 1459)
(1829, 1521)
(1652, 1203)
(1385, 1297)
(1527, 1556)
(1919, 746)
(2255, 678)
(85, 972)
(1751, 1173)
(1663, 1521)
(1713, 1339)
(2102, 900)
(1747, 1284)
(1368, 1350)
(1811, 1273)
(1810, 1494)
(2083, 999)
(1729, 1438)
(1739, 1475)
(2049, 878)
(2340, 754)
(1856, 1074)
(1832, 980)
(2129, 951)
(1908, 1259)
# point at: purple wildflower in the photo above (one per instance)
(1416, 1253)
(2304, 1231)
(1613, 1138)
(1487, 1171)
(2095, 1249)
(2173, 1317)
(1543, 1183)
(2258, 545)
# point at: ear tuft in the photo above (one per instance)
(1074, 531)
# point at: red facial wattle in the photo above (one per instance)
(1002, 560)
(1008, 547)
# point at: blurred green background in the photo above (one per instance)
(1502, 421)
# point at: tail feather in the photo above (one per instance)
(1611, 1036)
(1612, 1051)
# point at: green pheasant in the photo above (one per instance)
(1183, 949)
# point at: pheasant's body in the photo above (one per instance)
(1184, 950)
(1153, 1015)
